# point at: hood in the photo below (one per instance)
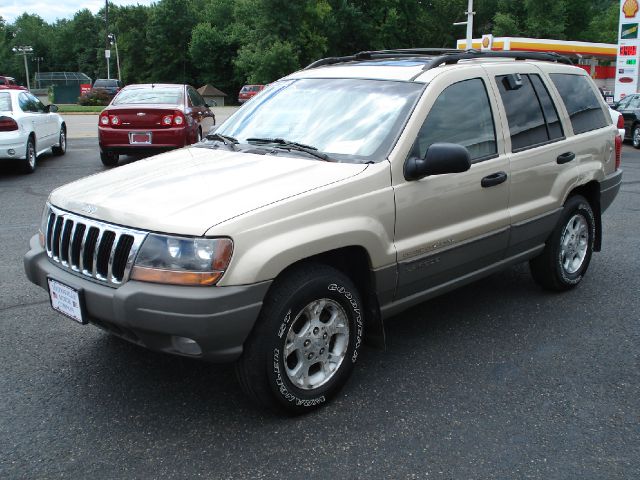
(187, 191)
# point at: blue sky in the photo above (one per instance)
(50, 10)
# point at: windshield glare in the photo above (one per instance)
(351, 117)
(149, 95)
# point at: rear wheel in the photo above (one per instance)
(635, 136)
(305, 342)
(29, 163)
(61, 148)
(566, 257)
(109, 158)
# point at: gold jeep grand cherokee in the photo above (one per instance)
(339, 196)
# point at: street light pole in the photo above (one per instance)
(114, 41)
(469, 23)
(38, 60)
(24, 50)
(106, 33)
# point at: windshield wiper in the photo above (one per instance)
(286, 144)
(227, 140)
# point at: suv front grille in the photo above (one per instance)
(90, 248)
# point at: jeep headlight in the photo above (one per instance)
(182, 260)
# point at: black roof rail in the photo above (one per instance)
(451, 58)
(382, 54)
(440, 56)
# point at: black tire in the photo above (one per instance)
(635, 136)
(264, 369)
(199, 135)
(109, 158)
(29, 163)
(61, 148)
(566, 256)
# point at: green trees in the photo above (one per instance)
(231, 42)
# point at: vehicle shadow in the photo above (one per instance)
(457, 335)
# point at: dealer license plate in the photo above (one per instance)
(66, 300)
(140, 138)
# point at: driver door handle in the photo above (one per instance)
(493, 179)
(565, 158)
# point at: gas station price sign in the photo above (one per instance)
(628, 50)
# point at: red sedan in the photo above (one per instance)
(151, 118)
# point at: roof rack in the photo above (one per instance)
(440, 56)
(382, 54)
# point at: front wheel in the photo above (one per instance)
(305, 342)
(565, 259)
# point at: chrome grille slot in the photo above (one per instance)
(89, 248)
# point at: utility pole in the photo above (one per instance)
(107, 52)
(114, 41)
(38, 60)
(24, 50)
(469, 23)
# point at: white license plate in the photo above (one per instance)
(143, 138)
(66, 300)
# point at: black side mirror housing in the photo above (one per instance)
(440, 159)
(51, 108)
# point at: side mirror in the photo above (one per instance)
(440, 159)
(615, 106)
(51, 108)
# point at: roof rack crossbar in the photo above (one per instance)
(440, 56)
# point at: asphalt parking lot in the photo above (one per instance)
(497, 380)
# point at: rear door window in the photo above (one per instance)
(532, 117)
(582, 104)
(461, 114)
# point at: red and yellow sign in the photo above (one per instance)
(630, 8)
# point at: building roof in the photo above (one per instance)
(563, 47)
(211, 91)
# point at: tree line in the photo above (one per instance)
(228, 43)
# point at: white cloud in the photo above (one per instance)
(51, 11)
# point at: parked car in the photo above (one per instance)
(151, 118)
(28, 128)
(247, 92)
(342, 197)
(618, 121)
(10, 82)
(629, 107)
(110, 86)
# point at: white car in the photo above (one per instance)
(616, 118)
(28, 128)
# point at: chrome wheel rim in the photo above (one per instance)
(574, 244)
(63, 141)
(31, 155)
(316, 344)
(636, 137)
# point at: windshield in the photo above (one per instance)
(149, 95)
(348, 119)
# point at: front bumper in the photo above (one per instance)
(152, 315)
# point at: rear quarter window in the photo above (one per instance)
(5, 102)
(585, 111)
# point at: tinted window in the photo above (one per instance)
(39, 106)
(634, 102)
(554, 127)
(5, 102)
(462, 115)
(26, 105)
(524, 114)
(196, 99)
(581, 101)
(106, 84)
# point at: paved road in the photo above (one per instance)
(495, 380)
(86, 126)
